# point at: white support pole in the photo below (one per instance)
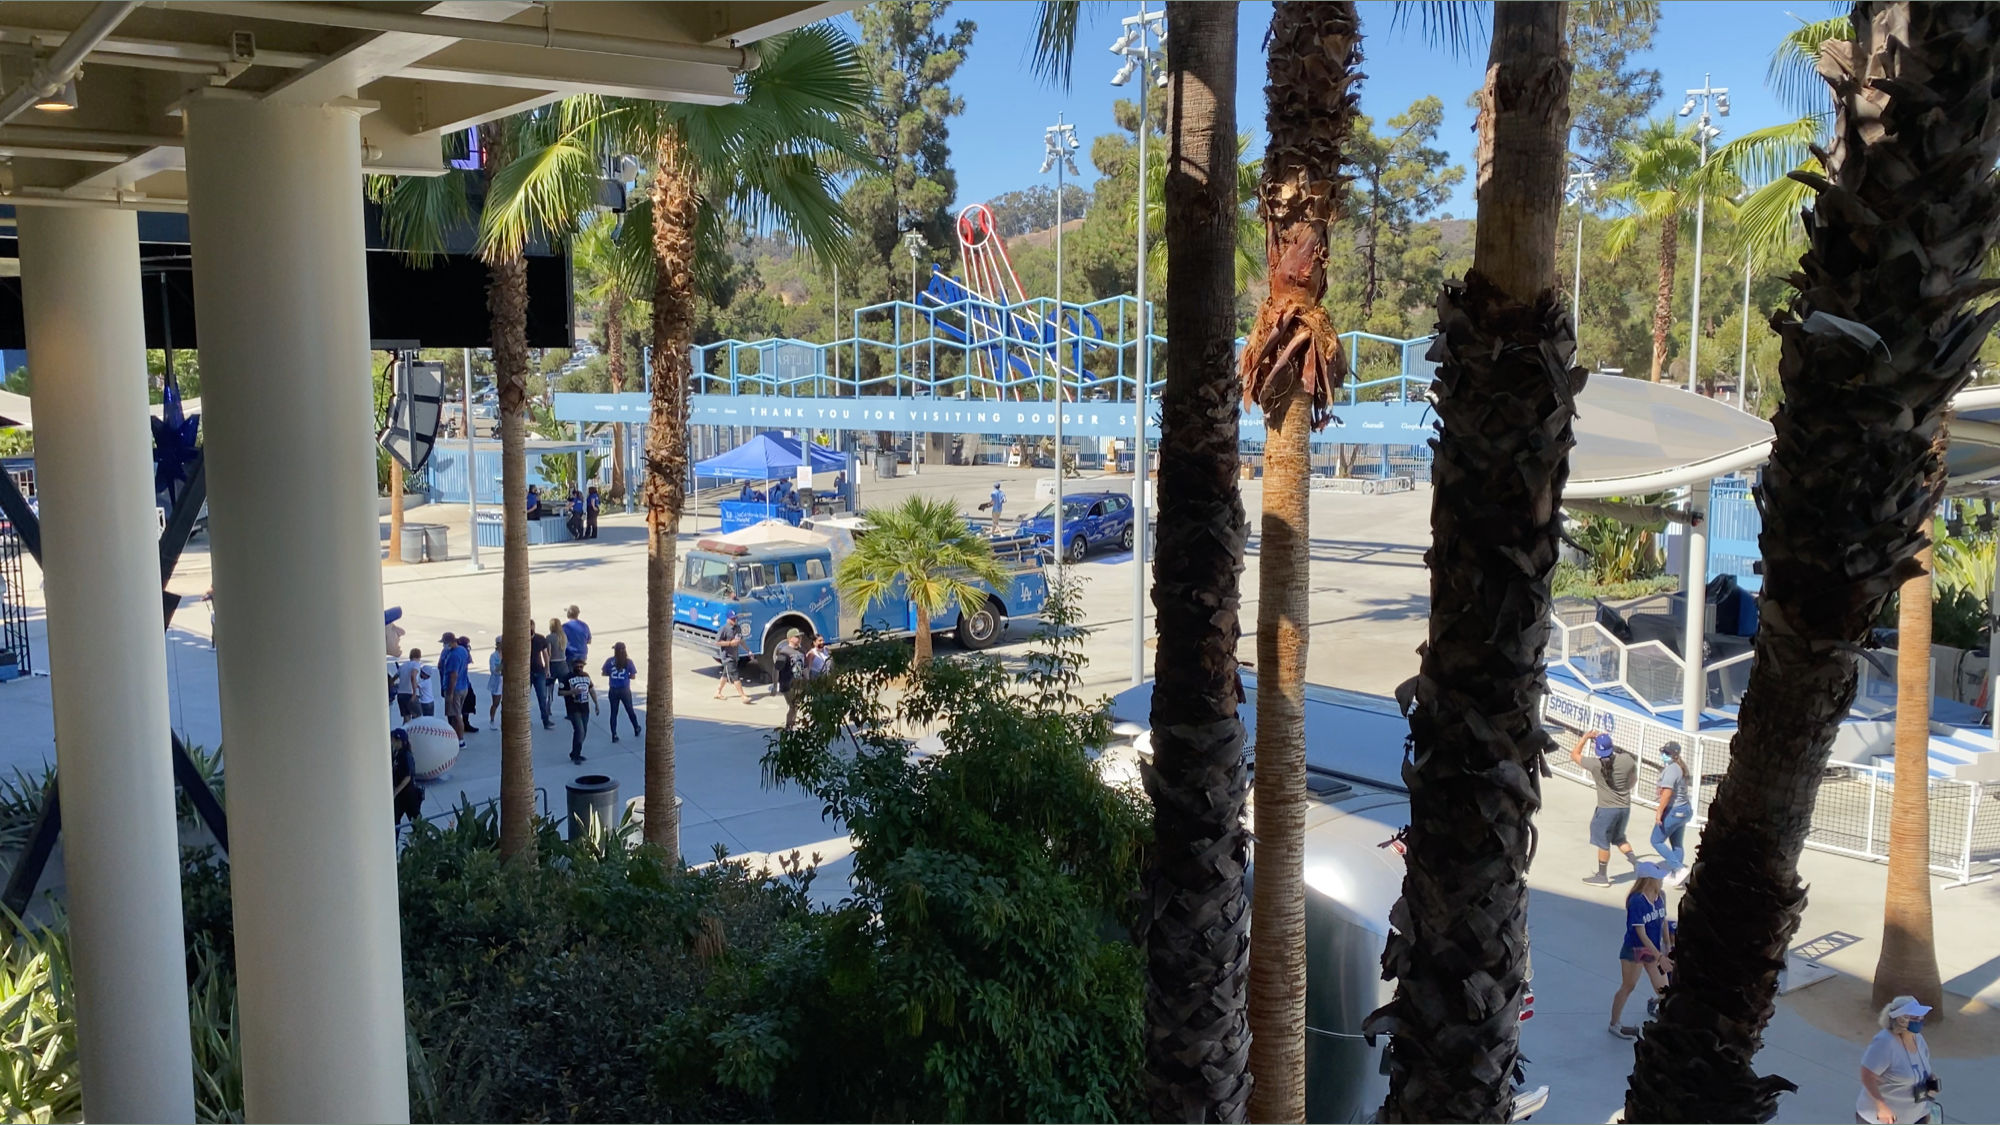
(1139, 544)
(1694, 682)
(278, 267)
(108, 666)
(1993, 659)
(471, 463)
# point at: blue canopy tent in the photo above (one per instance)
(767, 456)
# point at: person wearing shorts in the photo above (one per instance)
(729, 651)
(1615, 772)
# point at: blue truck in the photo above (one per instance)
(777, 578)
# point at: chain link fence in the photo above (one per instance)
(1850, 816)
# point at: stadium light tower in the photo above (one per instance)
(1136, 47)
(1059, 145)
(1709, 96)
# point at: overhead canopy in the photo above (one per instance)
(1634, 436)
(768, 456)
(14, 411)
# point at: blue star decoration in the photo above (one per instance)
(173, 444)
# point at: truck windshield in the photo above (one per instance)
(707, 574)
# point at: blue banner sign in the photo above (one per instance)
(1366, 423)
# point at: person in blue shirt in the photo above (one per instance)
(999, 500)
(591, 503)
(618, 673)
(534, 502)
(745, 494)
(575, 520)
(1647, 947)
(576, 637)
(452, 667)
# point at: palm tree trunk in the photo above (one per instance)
(1197, 941)
(925, 644)
(396, 512)
(1663, 297)
(1291, 363)
(614, 359)
(1505, 401)
(1908, 963)
(507, 304)
(1897, 238)
(673, 197)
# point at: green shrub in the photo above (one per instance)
(981, 970)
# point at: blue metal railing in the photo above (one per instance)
(955, 345)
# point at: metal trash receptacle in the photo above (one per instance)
(425, 542)
(593, 805)
(885, 464)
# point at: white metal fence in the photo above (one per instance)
(1366, 486)
(1850, 817)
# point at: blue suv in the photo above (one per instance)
(1090, 520)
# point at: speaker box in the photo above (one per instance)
(414, 413)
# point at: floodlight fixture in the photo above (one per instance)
(1124, 74)
(62, 99)
(1687, 106)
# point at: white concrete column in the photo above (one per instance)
(281, 291)
(107, 660)
(1694, 682)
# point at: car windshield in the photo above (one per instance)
(1071, 510)
(707, 574)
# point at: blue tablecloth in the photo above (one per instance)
(743, 513)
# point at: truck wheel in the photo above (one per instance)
(767, 660)
(1078, 547)
(979, 630)
(1127, 539)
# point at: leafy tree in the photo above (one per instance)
(909, 51)
(1030, 209)
(1398, 180)
(603, 284)
(1608, 95)
(922, 552)
(1898, 242)
(981, 969)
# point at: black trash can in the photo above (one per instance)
(592, 797)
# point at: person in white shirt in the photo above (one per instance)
(423, 681)
(1897, 1082)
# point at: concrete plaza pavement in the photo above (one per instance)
(1369, 601)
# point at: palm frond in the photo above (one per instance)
(632, 248)
(1456, 25)
(543, 192)
(1052, 52)
(1763, 156)
(1767, 222)
(420, 212)
(1794, 73)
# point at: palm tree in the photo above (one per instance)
(1505, 401)
(527, 195)
(1197, 937)
(1660, 188)
(1879, 335)
(1291, 364)
(1249, 230)
(1907, 965)
(922, 552)
(766, 160)
(604, 285)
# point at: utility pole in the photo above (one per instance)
(1709, 95)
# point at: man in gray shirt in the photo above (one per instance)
(1614, 772)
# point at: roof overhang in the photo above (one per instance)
(420, 70)
(1634, 436)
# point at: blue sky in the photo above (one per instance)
(997, 143)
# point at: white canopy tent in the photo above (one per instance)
(15, 411)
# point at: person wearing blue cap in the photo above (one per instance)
(1615, 772)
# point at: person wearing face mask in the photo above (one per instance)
(1897, 1082)
(1675, 809)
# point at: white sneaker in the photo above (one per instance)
(1679, 876)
